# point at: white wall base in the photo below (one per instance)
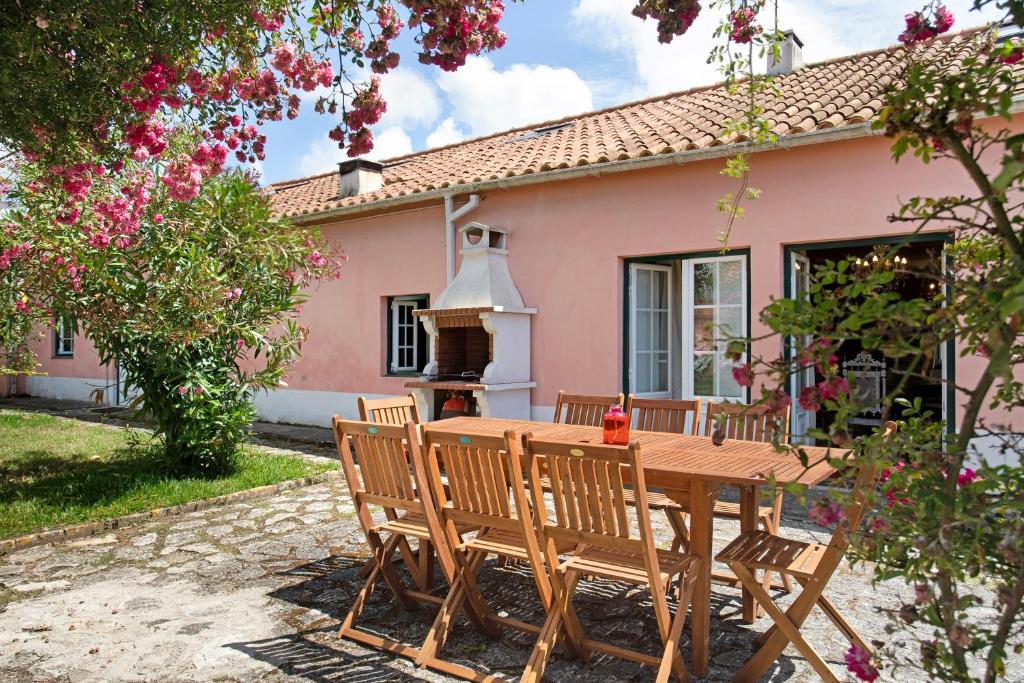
(302, 407)
(65, 388)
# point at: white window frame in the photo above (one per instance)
(689, 333)
(64, 343)
(397, 304)
(635, 268)
(802, 421)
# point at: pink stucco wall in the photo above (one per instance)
(84, 364)
(567, 243)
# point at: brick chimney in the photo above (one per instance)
(358, 176)
(790, 56)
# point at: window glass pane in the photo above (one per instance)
(703, 332)
(704, 283)
(704, 374)
(643, 373)
(660, 289)
(730, 323)
(643, 288)
(727, 385)
(661, 372)
(730, 282)
(661, 331)
(643, 331)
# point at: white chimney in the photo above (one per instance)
(483, 279)
(358, 176)
(790, 56)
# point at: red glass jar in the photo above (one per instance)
(616, 426)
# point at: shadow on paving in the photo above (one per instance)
(610, 611)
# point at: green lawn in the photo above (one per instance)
(57, 472)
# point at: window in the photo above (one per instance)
(63, 336)
(407, 340)
(715, 308)
(652, 321)
(681, 311)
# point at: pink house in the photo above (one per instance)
(583, 254)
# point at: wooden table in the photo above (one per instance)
(693, 467)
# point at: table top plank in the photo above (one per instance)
(673, 459)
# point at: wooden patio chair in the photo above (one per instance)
(579, 409)
(389, 411)
(486, 489)
(676, 417)
(664, 415)
(812, 565)
(590, 511)
(391, 476)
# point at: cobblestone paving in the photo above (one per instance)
(254, 592)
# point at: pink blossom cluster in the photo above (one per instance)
(743, 26)
(858, 662)
(744, 375)
(272, 23)
(146, 139)
(367, 108)
(156, 87)
(811, 398)
(9, 254)
(892, 492)
(674, 16)
(451, 30)
(233, 294)
(304, 72)
(77, 179)
(184, 175)
(921, 27)
(826, 512)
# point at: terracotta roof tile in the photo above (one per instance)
(840, 92)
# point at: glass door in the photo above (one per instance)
(714, 310)
(650, 330)
(799, 288)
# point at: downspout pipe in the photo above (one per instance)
(451, 215)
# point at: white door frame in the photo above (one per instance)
(801, 420)
(634, 268)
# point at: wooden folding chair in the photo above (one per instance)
(590, 511)
(389, 411)
(664, 415)
(812, 565)
(485, 489)
(578, 409)
(676, 417)
(391, 476)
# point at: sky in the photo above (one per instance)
(565, 57)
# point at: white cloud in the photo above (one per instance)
(391, 142)
(322, 156)
(486, 100)
(828, 28)
(445, 134)
(412, 99)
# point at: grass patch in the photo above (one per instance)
(56, 472)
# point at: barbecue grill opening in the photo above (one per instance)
(463, 352)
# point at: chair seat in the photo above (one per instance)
(504, 542)
(762, 550)
(621, 565)
(413, 524)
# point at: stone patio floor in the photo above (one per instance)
(254, 591)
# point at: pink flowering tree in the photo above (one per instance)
(195, 301)
(945, 521)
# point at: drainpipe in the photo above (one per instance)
(450, 216)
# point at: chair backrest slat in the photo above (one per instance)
(579, 409)
(747, 422)
(477, 469)
(588, 490)
(664, 415)
(389, 411)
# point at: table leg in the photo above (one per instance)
(748, 522)
(702, 504)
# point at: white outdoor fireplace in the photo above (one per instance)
(479, 333)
